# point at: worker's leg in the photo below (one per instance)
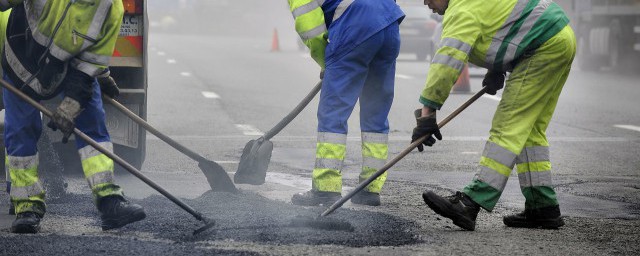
(341, 87)
(375, 103)
(22, 128)
(97, 167)
(531, 87)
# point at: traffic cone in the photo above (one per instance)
(275, 44)
(462, 86)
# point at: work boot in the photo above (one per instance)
(545, 218)
(366, 198)
(315, 198)
(26, 223)
(115, 212)
(458, 207)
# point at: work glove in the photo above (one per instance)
(494, 81)
(63, 117)
(108, 86)
(426, 125)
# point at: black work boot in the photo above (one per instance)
(545, 218)
(115, 212)
(314, 198)
(26, 223)
(459, 208)
(366, 198)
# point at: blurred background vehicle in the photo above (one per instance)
(416, 30)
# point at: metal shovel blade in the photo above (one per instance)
(217, 177)
(254, 162)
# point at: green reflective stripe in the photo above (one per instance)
(306, 8)
(500, 61)
(328, 180)
(529, 22)
(88, 151)
(492, 177)
(313, 32)
(329, 163)
(20, 70)
(342, 7)
(372, 162)
(535, 179)
(100, 178)
(499, 154)
(448, 61)
(534, 166)
(106, 189)
(34, 204)
(515, 14)
(22, 162)
(94, 58)
(329, 150)
(375, 150)
(26, 192)
(329, 137)
(376, 185)
(533, 154)
(96, 164)
(455, 43)
(375, 137)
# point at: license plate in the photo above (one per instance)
(131, 25)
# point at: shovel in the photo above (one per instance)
(216, 175)
(208, 223)
(256, 154)
(402, 154)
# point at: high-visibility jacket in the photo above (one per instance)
(58, 38)
(349, 23)
(491, 33)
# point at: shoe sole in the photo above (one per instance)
(441, 207)
(25, 229)
(542, 224)
(108, 224)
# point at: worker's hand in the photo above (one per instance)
(426, 125)
(108, 86)
(63, 117)
(494, 81)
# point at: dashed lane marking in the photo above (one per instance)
(210, 95)
(161, 53)
(249, 130)
(469, 153)
(171, 61)
(628, 127)
(401, 76)
(492, 97)
(187, 74)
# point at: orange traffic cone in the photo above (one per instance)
(462, 86)
(275, 44)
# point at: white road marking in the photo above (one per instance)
(249, 130)
(628, 127)
(469, 153)
(210, 95)
(403, 76)
(161, 53)
(171, 61)
(491, 97)
(187, 74)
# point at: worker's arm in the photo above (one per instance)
(311, 27)
(8, 4)
(460, 31)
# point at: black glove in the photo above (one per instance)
(108, 86)
(425, 126)
(494, 81)
(63, 117)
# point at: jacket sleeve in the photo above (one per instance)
(310, 25)
(460, 32)
(94, 60)
(8, 4)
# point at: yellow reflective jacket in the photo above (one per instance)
(490, 33)
(311, 26)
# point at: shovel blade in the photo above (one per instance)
(217, 177)
(254, 162)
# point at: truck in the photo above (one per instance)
(608, 32)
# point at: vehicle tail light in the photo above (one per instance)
(133, 6)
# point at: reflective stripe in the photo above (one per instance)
(329, 137)
(373, 162)
(455, 43)
(373, 137)
(100, 178)
(535, 179)
(97, 22)
(20, 70)
(88, 151)
(314, 32)
(448, 61)
(342, 7)
(33, 16)
(533, 154)
(22, 162)
(492, 178)
(86, 67)
(26, 192)
(95, 58)
(329, 163)
(305, 9)
(499, 154)
(492, 52)
(526, 27)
